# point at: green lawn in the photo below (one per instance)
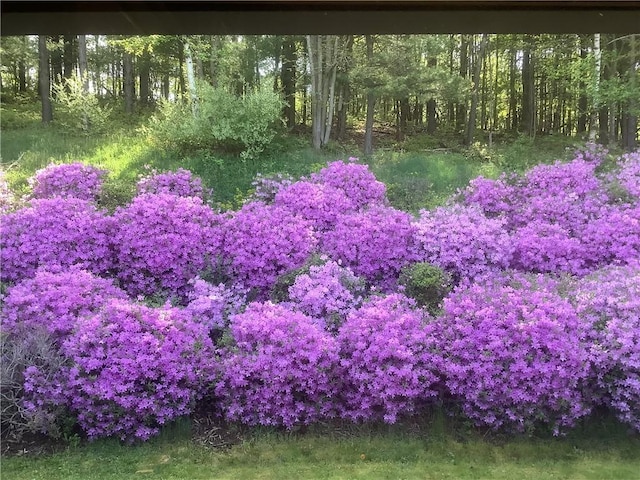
(605, 452)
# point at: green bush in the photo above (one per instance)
(426, 284)
(78, 110)
(220, 120)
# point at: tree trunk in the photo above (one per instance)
(473, 111)
(630, 116)
(144, 70)
(597, 53)
(431, 103)
(22, 68)
(583, 104)
(44, 82)
(129, 83)
(323, 50)
(82, 62)
(513, 99)
(288, 80)
(68, 58)
(371, 102)
(528, 91)
(191, 78)
(461, 110)
(56, 64)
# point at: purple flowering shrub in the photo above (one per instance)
(55, 302)
(135, 369)
(68, 180)
(266, 187)
(262, 242)
(375, 243)
(56, 232)
(355, 180)
(543, 247)
(279, 368)
(321, 204)
(514, 354)
(388, 369)
(463, 241)
(7, 199)
(162, 241)
(181, 182)
(213, 305)
(329, 292)
(614, 237)
(609, 302)
(627, 174)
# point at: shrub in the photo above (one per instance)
(327, 292)
(55, 302)
(546, 247)
(426, 284)
(515, 354)
(463, 241)
(279, 369)
(7, 199)
(609, 302)
(628, 174)
(376, 244)
(68, 180)
(54, 233)
(79, 110)
(267, 186)
(320, 204)
(247, 124)
(181, 183)
(135, 369)
(262, 242)
(388, 370)
(30, 361)
(213, 305)
(358, 183)
(162, 241)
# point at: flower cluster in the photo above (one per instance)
(609, 302)
(514, 354)
(135, 368)
(388, 369)
(267, 186)
(628, 174)
(68, 180)
(213, 305)
(279, 369)
(328, 291)
(162, 241)
(463, 241)
(181, 183)
(55, 302)
(321, 204)
(357, 182)
(614, 237)
(375, 243)
(54, 233)
(262, 242)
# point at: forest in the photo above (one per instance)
(470, 87)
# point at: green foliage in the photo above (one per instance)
(78, 110)
(220, 120)
(426, 284)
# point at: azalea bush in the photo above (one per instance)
(55, 302)
(135, 369)
(162, 241)
(385, 354)
(355, 180)
(279, 368)
(328, 292)
(181, 182)
(55, 233)
(320, 204)
(608, 300)
(68, 180)
(375, 243)
(262, 242)
(463, 241)
(515, 354)
(212, 304)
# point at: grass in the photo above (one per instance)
(595, 450)
(418, 178)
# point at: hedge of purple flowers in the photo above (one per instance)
(541, 324)
(68, 180)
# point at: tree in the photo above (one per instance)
(44, 74)
(471, 124)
